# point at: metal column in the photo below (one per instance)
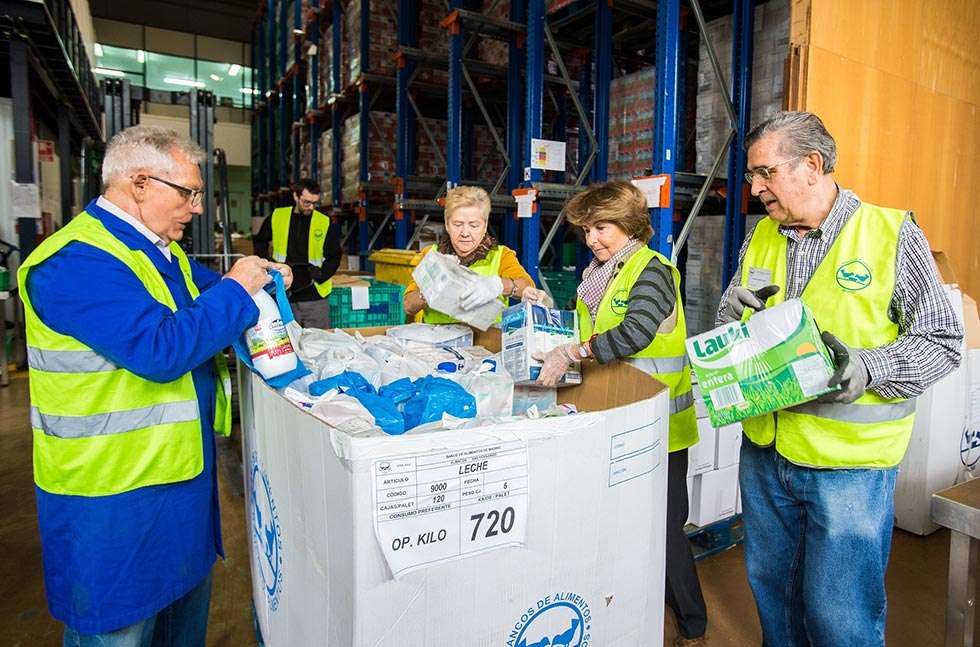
(603, 77)
(202, 119)
(454, 154)
(335, 115)
(64, 162)
(27, 228)
(314, 99)
(296, 92)
(364, 117)
(515, 118)
(405, 154)
(530, 227)
(742, 23)
(665, 124)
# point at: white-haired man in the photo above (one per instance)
(818, 479)
(128, 383)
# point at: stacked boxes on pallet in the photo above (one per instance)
(770, 44)
(490, 49)
(428, 160)
(381, 152)
(631, 124)
(433, 39)
(325, 52)
(326, 169)
(383, 39)
(712, 470)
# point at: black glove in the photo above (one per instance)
(741, 298)
(851, 373)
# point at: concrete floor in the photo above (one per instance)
(916, 576)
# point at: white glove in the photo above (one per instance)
(484, 290)
(533, 295)
(555, 362)
(741, 298)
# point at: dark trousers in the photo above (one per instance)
(683, 587)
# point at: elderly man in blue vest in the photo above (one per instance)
(818, 479)
(128, 384)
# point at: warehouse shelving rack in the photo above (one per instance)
(520, 88)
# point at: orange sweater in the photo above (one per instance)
(510, 268)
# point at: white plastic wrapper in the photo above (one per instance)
(491, 385)
(451, 335)
(443, 280)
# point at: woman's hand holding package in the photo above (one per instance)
(484, 290)
(556, 362)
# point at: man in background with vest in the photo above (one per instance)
(818, 479)
(128, 385)
(302, 238)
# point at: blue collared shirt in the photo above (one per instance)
(114, 560)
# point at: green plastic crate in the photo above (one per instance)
(563, 286)
(4, 279)
(385, 307)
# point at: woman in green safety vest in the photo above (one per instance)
(629, 307)
(467, 214)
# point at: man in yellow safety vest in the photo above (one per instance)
(817, 480)
(128, 382)
(301, 237)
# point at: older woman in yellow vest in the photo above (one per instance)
(629, 306)
(467, 214)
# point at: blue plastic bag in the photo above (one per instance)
(399, 391)
(384, 409)
(435, 396)
(345, 381)
(286, 313)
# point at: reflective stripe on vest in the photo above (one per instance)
(850, 295)
(665, 358)
(319, 227)
(98, 428)
(68, 361)
(116, 422)
(489, 266)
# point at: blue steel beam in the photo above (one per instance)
(531, 227)
(271, 101)
(336, 117)
(515, 119)
(297, 84)
(603, 77)
(454, 154)
(313, 101)
(405, 155)
(665, 125)
(364, 119)
(585, 98)
(742, 23)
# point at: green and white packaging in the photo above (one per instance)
(773, 361)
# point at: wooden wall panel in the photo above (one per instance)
(898, 84)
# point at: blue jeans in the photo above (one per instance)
(183, 622)
(816, 549)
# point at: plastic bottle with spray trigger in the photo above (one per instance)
(268, 342)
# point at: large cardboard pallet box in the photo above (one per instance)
(503, 534)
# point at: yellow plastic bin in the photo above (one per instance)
(395, 265)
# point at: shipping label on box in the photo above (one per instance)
(530, 329)
(773, 361)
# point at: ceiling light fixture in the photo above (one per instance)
(140, 56)
(234, 69)
(98, 50)
(249, 91)
(107, 72)
(215, 77)
(184, 82)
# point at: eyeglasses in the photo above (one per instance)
(765, 173)
(309, 203)
(194, 195)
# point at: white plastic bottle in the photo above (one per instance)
(268, 342)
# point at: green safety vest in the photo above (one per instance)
(319, 226)
(665, 358)
(98, 428)
(849, 295)
(489, 266)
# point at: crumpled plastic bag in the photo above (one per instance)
(435, 396)
(491, 386)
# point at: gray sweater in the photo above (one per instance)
(651, 301)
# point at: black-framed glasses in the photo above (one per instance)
(309, 203)
(765, 173)
(194, 195)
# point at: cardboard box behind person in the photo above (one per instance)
(592, 561)
(530, 329)
(715, 494)
(934, 460)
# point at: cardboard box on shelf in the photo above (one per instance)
(580, 518)
(701, 455)
(715, 494)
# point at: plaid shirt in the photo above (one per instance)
(930, 332)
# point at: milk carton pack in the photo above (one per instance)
(773, 361)
(529, 329)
